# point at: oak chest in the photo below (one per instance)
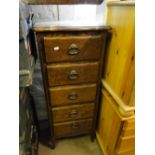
(71, 60)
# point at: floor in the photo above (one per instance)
(72, 146)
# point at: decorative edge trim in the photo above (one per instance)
(123, 107)
(69, 28)
(121, 3)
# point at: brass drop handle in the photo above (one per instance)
(75, 126)
(73, 114)
(73, 75)
(73, 50)
(73, 96)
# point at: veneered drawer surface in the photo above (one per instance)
(71, 48)
(72, 94)
(72, 128)
(72, 73)
(73, 112)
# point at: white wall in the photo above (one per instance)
(69, 12)
(44, 12)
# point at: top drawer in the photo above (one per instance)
(72, 48)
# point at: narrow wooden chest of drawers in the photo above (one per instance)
(71, 60)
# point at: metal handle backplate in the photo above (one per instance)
(73, 96)
(73, 50)
(73, 75)
(73, 114)
(75, 126)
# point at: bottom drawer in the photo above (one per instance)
(72, 128)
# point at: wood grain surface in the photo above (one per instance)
(119, 72)
(64, 95)
(73, 112)
(73, 128)
(72, 73)
(72, 48)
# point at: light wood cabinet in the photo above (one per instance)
(116, 126)
(119, 72)
(115, 132)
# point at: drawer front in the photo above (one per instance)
(126, 153)
(72, 48)
(128, 128)
(72, 73)
(129, 124)
(72, 128)
(68, 113)
(72, 94)
(128, 132)
(126, 144)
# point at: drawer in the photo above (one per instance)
(128, 128)
(71, 48)
(72, 94)
(126, 144)
(129, 124)
(72, 128)
(126, 153)
(74, 112)
(128, 132)
(72, 73)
